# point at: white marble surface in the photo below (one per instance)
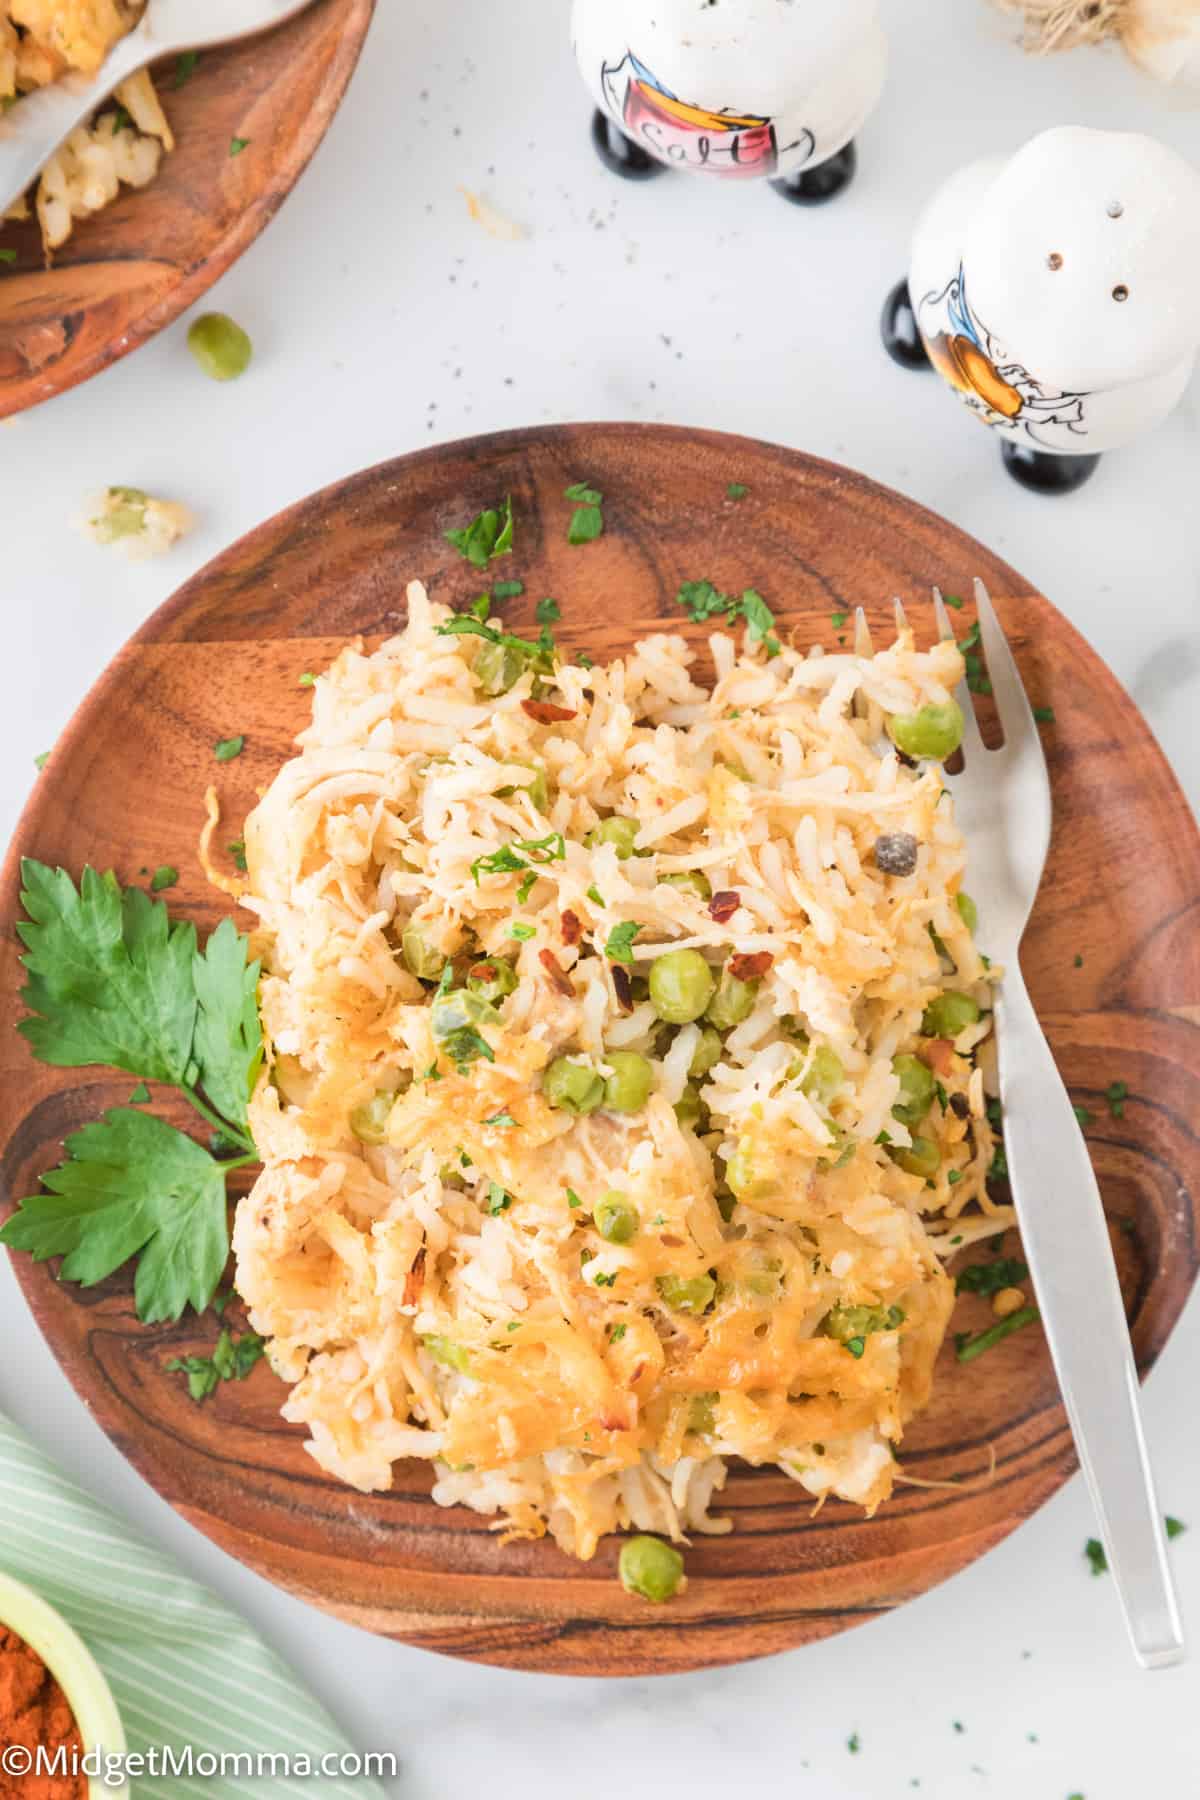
(384, 319)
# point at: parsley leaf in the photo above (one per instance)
(237, 145)
(498, 1199)
(573, 1199)
(1116, 1093)
(507, 590)
(1097, 1559)
(237, 851)
(619, 947)
(228, 1043)
(968, 1347)
(1044, 715)
(8, 256)
(701, 600)
(522, 932)
(132, 1185)
(308, 679)
(231, 1360)
(547, 611)
(988, 1278)
(954, 601)
(528, 883)
(163, 877)
(505, 861)
(1175, 1527)
(502, 1120)
(225, 749)
(109, 976)
(1083, 1115)
(737, 490)
(587, 524)
(583, 495)
(140, 1095)
(617, 1333)
(760, 621)
(488, 535)
(185, 68)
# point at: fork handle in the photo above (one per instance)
(1066, 1243)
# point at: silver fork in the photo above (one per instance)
(31, 132)
(1002, 803)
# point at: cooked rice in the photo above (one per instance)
(444, 1293)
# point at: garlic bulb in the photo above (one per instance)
(1161, 36)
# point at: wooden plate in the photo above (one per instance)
(123, 788)
(137, 265)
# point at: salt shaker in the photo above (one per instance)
(747, 89)
(1058, 293)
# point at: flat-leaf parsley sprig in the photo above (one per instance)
(114, 981)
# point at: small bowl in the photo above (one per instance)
(74, 1668)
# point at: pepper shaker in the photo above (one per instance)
(749, 89)
(1058, 293)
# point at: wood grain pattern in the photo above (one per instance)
(123, 788)
(137, 265)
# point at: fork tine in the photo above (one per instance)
(901, 615)
(944, 627)
(1012, 702)
(862, 634)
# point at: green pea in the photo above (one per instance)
(744, 1177)
(823, 1076)
(733, 1000)
(916, 1090)
(628, 1087)
(932, 734)
(922, 1158)
(617, 831)
(949, 1014)
(460, 1011)
(419, 954)
(572, 1087)
(616, 1217)
(650, 1568)
(690, 881)
(707, 1053)
(702, 1413)
(499, 666)
(689, 1108)
(369, 1121)
(538, 789)
(220, 346)
(445, 1351)
(967, 911)
(493, 979)
(687, 1293)
(681, 986)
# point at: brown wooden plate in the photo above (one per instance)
(137, 265)
(123, 788)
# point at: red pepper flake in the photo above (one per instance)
(484, 971)
(414, 1281)
(572, 930)
(722, 906)
(559, 979)
(546, 713)
(623, 986)
(750, 968)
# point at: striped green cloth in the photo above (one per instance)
(182, 1667)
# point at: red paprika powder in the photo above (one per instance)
(34, 1710)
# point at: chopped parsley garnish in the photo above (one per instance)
(498, 1199)
(308, 679)
(225, 749)
(988, 1278)
(737, 490)
(528, 883)
(1083, 1115)
(547, 611)
(185, 68)
(587, 521)
(1044, 715)
(487, 536)
(1116, 1093)
(998, 1167)
(502, 1120)
(522, 932)
(954, 1177)
(1096, 1556)
(838, 619)
(595, 896)
(619, 947)
(237, 145)
(465, 1046)
(573, 1199)
(617, 1333)
(507, 590)
(41, 759)
(1078, 961)
(702, 601)
(954, 601)
(958, 1725)
(8, 256)
(607, 1280)
(113, 980)
(481, 608)
(854, 1743)
(506, 861)
(232, 1360)
(967, 1347)
(237, 851)
(140, 1095)
(163, 877)
(1175, 1527)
